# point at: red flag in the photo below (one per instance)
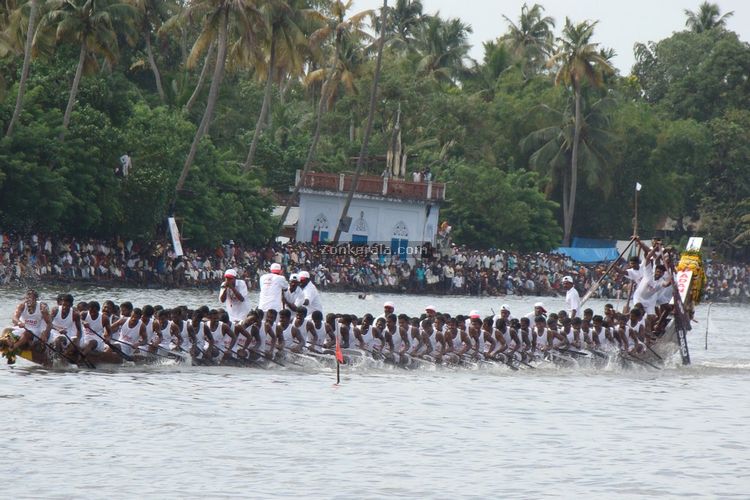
(339, 356)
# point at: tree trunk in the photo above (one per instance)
(351, 129)
(368, 129)
(313, 144)
(266, 104)
(25, 68)
(201, 79)
(568, 225)
(154, 68)
(73, 91)
(213, 94)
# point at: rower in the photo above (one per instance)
(540, 335)
(130, 331)
(217, 330)
(95, 329)
(476, 335)
(286, 331)
(572, 298)
(66, 324)
(183, 330)
(555, 339)
(32, 321)
(635, 330)
(503, 314)
(166, 330)
(525, 333)
(319, 331)
(577, 341)
(199, 338)
(396, 337)
(149, 327)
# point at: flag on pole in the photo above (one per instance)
(339, 355)
(638, 186)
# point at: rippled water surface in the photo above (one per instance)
(176, 431)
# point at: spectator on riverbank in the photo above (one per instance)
(459, 270)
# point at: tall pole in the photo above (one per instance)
(368, 129)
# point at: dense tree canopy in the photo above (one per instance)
(204, 88)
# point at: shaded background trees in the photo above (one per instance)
(192, 92)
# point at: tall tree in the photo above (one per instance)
(579, 62)
(30, 29)
(532, 39)
(342, 29)
(368, 128)
(443, 46)
(93, 26)
(707, 17)
(285, 34)
(215, 16)
(151, 16)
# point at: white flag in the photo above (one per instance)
(638, 186)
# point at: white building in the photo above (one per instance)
(383, 210)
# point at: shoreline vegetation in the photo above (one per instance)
(212, 106)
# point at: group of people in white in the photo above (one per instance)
(289, 316)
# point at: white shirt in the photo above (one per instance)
(573, 301)
(294, 297)
(311, 294)
(271, 287)
(236, 309)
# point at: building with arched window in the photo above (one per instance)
(386, 211)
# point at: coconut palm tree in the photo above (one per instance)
(152, 14)
(443, 46)
(532, 38)
(368, 128)
(346, 33)
(402, 23)
(579, 63)
(706, 18)
(33, 11)
(286, 22)
(92, 25)
(216, 18)
(551, 147)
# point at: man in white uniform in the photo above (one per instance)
(293, 296)
(310, 294)
(572, 299)
(233, 295)
(272, 286)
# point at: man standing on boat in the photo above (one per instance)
(272, 286)
(572, 299)
(310, 294)
(233, 295)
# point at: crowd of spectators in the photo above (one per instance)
(457, 270)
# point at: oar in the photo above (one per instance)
(654, 353)
(598, 353)
(52, 348)
(89, 364)
(117, 350)
(574, 353)
(708, 317)
(592, 289)
(631, 357)
(524, 363)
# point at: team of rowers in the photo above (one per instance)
(289, 317)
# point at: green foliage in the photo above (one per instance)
(678, 125)
(493, 208)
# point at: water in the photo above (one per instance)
(169, 431)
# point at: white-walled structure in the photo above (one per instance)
(383, 210)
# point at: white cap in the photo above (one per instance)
(390, 304)
(293, 277)
(275, 267)
(541, 306)
(430, 308)
(505, 307)
(230, 273)
(567, 279)
(304, 275)
(474, 314)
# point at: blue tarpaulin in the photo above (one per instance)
(588, 255)
(593, 243)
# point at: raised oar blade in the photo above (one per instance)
(682, 340)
